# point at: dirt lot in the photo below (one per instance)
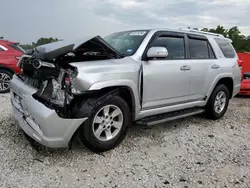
(194, 152)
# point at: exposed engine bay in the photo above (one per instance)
(53, 83)
(51, 73)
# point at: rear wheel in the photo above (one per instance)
(107, 125)
(218, 102)
(5, 77)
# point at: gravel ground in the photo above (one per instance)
(193, 152)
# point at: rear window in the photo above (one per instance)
(226, 48)
(17, 47)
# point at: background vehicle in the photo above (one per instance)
(95, 88)
(245, 83)
(10, 52)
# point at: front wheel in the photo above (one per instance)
(218, 102)
(107, 125)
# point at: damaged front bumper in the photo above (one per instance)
(39, 122)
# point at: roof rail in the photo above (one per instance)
(202, 32)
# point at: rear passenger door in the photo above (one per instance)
(202, 62)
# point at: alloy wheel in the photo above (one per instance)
(107, 122)
(220, 102)
(4, 82)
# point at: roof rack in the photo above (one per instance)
(202, 32)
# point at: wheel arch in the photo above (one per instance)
(96, 96)
(125, 89)
(229, 83)
(227, 80)
(2, 67)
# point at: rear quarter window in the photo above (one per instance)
(17, 47)
(226, 48)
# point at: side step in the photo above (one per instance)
(149, 121)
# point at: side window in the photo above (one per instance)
(226, 48)
(1, 49)
(199, 49)
(174, 45)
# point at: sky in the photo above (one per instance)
(25, 21)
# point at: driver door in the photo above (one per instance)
(166, 81)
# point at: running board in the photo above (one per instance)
(149, 121)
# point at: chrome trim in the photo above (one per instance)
(45, 64)
(21, 58)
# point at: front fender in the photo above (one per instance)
(120, 83)
(216, 80)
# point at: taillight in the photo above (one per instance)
(240, 63)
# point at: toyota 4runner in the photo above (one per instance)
(96, 87)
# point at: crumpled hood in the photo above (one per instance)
(59, 48)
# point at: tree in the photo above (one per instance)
(220, 30)
(42, 41)
(205, 29)
(39, 42)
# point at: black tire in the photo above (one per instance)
(10, 75)
(210, 107)
(86, 131)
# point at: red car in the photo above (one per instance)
(245, 83)
(10, 52)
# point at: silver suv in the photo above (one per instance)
(96, 87)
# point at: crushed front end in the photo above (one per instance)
(52, 83)
(44, 101)
(38, 121)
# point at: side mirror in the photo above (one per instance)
(159, 52)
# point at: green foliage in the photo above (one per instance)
(26, 46)
(240, 42)
(42, 41)
(39, 42)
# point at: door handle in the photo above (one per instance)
(215, 66)
(185, 68)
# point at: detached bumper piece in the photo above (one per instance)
(39, 122)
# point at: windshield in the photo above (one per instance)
(126, 42)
